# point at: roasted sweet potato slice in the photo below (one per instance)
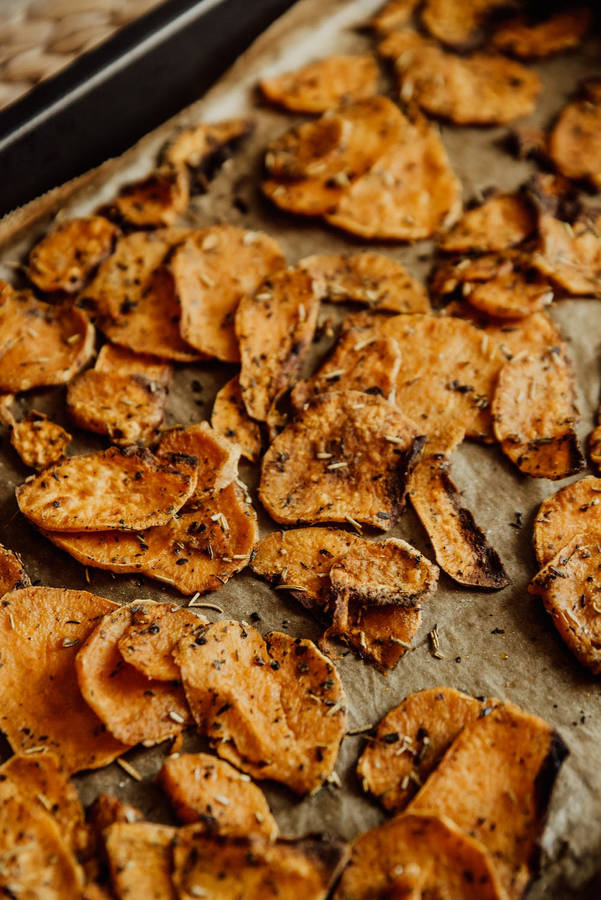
(322, 467)
(274, 327)
(313, 148)
(65, 258)
(502, 221)
(572, 511)
(140, 860)
(532, 334)
(158, 199)
(371, 278)
(574, 144)
(458, 23)
(534, 412)
(230, 419)
(12, 571)
(217, 456)
(410, 741)
(534, 40)
(121, 361)
(134, 708)
(324, 84)
(460, 547)
(111, 489)
(41, 630)
(40, 345)
(495, 783)
(208, 790)
(107, 810)
(594, 446)
(570, 255)
(204, 146)
(155, 629)
(393, 14)
(212, 270)
(38, 441)
(273, 707)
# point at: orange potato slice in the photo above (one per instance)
(571, 511)
(38, 441)
(274, 327)
(158, 199)
(155, 629)
(312, 148)
(324, 84)
(212, 271)
(12, 571)
(65, 258)
(500, 222)
(112, 489)
(204, 146)
(458, 22)
(140, 860)
(322, 467)
(204, 789)
(534, 40)
(532, 334)
(41, 630)
(106, 810)
(230, 419)
(273, 707)
(574, 139)
(217, 456)
(392, 15)
(133, 708)
(570, 255)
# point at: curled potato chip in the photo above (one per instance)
(534, 40)
(571, 511)
(134, 708)
(410, 741)
(158, 199)
(154, 631)
(229, 418)
(274, 326)
(12, 571)
(122, 489)
(65, 258)
(323, 467)
(500, 222)
(495, 783)
(574, 141)
(212, 270)
(419, 855)
(217, 456)
(371, 278)
(273, 707)
(458, 22)
(393, 14)
(324, 84)
(38, 441)
(40, 345)
(570, 255)
(41, 630)
(140, 860)
(208, 790)
(204, 146)
(531, 334)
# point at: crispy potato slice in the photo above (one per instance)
(273, 707)
(313, 148)
(534, 412)
(122, 361)
(532, 334)
(212, 270)
(40, 345)
(379, 634)
(321, 468)
(217, 456)
(154, 631)
(158, 199)
(313, 196)
(12, 571)
(205, 146)
(208, 790)
(112, 489)
(460, 547)
(534, 40)
(324, 84)
(134, 708)
(229, 418)
(371, 278)
(275, 327)
(594, 446)
(458, 23)
(564, 515)
(411, 740)
(574, 143)
(255, 868)
(65, 258)
(480, 89)
(570, 254)
(392, 15)
(106, 810)
(419, 855)
(495, 783)
(140, 860)
(41, 630)
(500, 222)
(38, 441)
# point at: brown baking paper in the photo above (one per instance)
(501, 644)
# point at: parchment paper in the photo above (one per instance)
(523, 659)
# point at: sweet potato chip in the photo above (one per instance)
(229, 418)
(347, 456)
(570, 254)
(140, 860)
(371, 278)
(458, 23)
(324, 84)
(275, 326)
(158, 199)
(12, 571)
(154, 631)
(480, 89)
(40, 345)
(38, 441)
(273, 707)
(208, 790)
(419, 855)
(217, 456)
(495, 783)
(112, 489)
(534, 412)
(313, 148)
(205, 146)
(502, 221)
(410, 741)
(594, 446)
(255, 868)
(460, 547)
(134, 708)
(212, 270)
(393, 14)
(572, 511)
(106, 810)
(121, 361)
(574, 144)
(534, 40)
(41, 630)
(532, 334)
(65, 258)
(378, 634)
